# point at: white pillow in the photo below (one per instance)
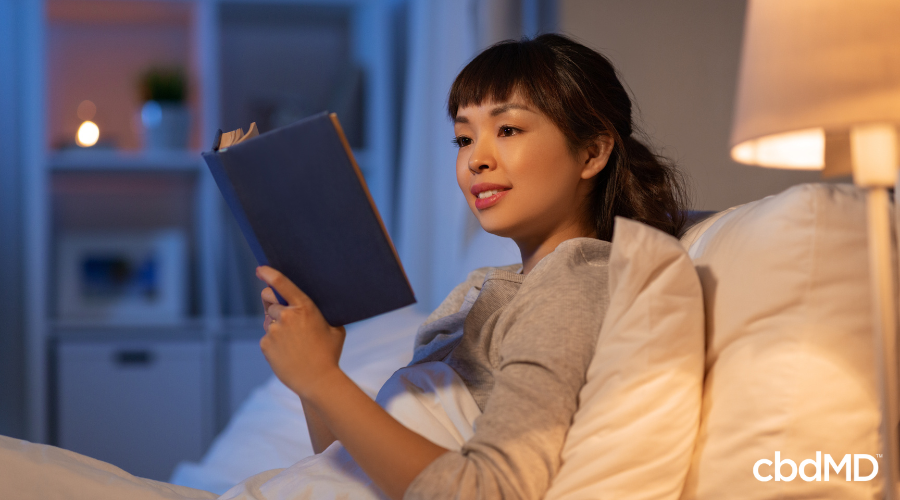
(697, 230)
(789, 350)
(634, 430)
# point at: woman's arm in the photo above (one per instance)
(388, 452)
(319, 434)
(303, 350)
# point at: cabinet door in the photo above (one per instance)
(139, 406)
(247, 370)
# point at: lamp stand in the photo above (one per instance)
(881, 268)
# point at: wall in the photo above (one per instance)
(258, 86)
(98, 51)
(680, 59)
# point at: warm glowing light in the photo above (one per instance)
(88, 134)
(874, 152)
(801, 149)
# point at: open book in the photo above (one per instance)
(301, 202)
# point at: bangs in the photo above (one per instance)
(507, 68)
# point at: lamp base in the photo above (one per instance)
(884, 332)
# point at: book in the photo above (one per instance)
(302, 204)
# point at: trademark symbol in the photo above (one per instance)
(878, 455)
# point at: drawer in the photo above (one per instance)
(142, 406)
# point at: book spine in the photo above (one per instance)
(228, 193)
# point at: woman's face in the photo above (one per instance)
(518, 174)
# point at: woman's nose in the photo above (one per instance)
(481, 160)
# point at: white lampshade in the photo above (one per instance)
(812, 70)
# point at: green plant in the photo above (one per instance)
(163, 84)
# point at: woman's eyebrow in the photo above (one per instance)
(499, 110)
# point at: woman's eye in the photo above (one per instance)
(507, 131)
(461, 141)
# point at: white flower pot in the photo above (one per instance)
(166, 125)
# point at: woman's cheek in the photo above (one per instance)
(462, 179)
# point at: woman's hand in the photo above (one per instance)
(303, 350)
(300, 346)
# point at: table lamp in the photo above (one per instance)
(819, 88)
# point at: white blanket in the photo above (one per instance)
(31, 471)
(429, 398)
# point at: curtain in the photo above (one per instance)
(439, 239)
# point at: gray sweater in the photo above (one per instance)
(522, 345)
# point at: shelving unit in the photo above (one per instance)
(89, 379)
(100, 160)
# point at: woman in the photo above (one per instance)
(546, 157)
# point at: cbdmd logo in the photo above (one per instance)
(777, 468)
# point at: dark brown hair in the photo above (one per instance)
(578, 89)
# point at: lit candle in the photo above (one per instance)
(88, 133)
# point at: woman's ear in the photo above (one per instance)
(597, 155)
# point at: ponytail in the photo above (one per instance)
(640, 185)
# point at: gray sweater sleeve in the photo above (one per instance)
(548, 333)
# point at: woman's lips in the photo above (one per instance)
(482, 203)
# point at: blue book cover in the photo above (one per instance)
(301, 202)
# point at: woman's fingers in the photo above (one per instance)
(293, 295)
(299, 344)
(268, 297)
(274, 311)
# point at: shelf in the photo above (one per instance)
(233, 328)
(226, 323)
(107, 160)
(185, 329)
(119, 325)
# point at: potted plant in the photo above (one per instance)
(164, 115)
